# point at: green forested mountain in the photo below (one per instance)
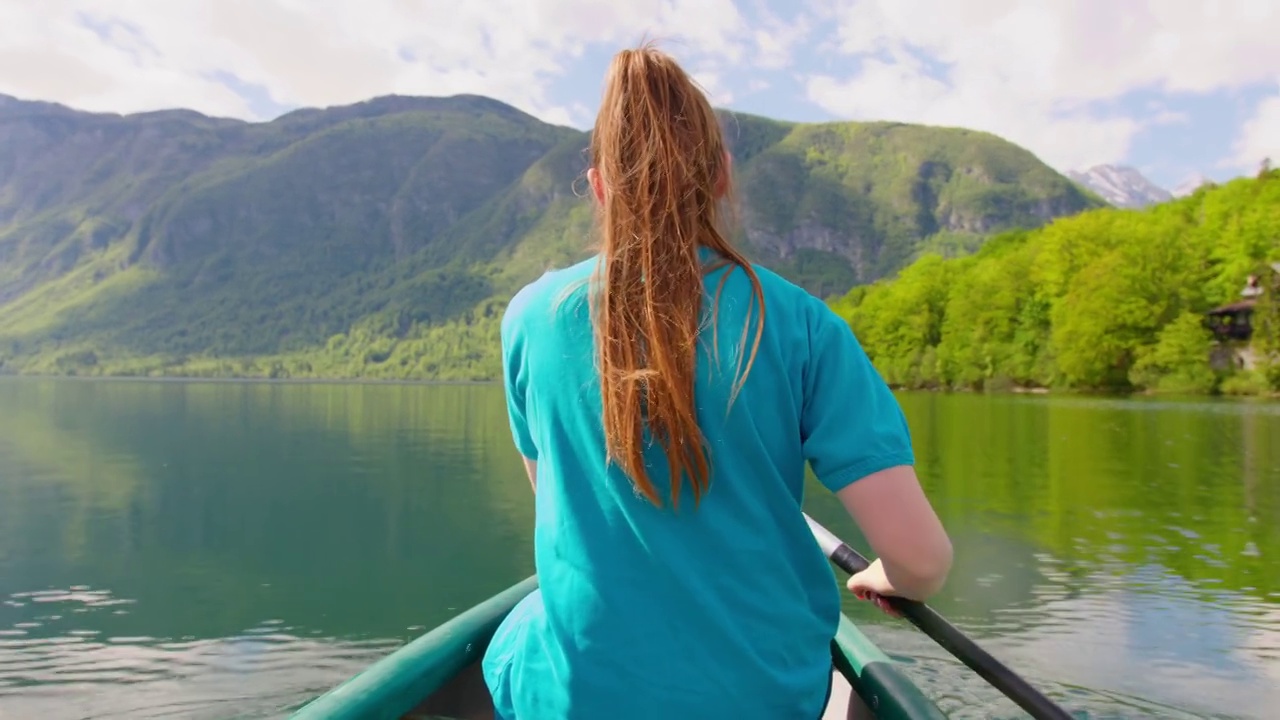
(1105, 300)
(381, 239)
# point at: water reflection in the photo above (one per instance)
(1120, 551)
(263, 672)
(212, 549)
(154, 525)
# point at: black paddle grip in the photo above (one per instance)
(848, 560)
(958, 644)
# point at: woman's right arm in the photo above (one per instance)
(858, 443)
(909, 542)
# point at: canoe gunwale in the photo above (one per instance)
(877, 679)
(397, 684)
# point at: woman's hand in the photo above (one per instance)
(872, 584)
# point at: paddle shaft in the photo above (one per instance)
(946, 634)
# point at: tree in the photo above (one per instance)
(1179, 361)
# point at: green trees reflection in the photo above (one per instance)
(361, 510)
(1112, 485)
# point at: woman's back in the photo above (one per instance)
(723, 608)
(666, 395)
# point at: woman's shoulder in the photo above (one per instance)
(551, 290)
(785, 300)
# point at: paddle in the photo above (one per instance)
(945, 634)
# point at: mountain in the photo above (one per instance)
(382, 238)
(1121, 186)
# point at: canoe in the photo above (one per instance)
(437, 676)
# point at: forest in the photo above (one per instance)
(1104, 301)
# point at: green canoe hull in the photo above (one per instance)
(438, 674)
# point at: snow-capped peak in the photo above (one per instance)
(1190, 185)
(1121, 186)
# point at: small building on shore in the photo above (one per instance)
(1233, 321)
(1232, 325)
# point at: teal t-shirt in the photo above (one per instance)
(723, 610)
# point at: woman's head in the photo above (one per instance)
(654, 117)
(659, 171)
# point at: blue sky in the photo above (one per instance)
(1172, 87)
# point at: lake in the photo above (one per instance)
(224, 549)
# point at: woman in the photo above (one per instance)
(665, 395)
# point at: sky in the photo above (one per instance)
(1172, 87)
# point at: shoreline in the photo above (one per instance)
(248, 379)
(258, 380)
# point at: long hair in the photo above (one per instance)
(661, 157)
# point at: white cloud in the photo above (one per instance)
(776, 39)
(1028, 71)
(713, 84)
(1031, 72)
(1260, 136)
(48, 54)
(1169, 117)
(165, 53)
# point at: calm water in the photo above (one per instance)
(213, 550)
